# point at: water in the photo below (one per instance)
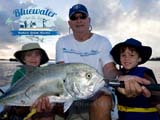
(7, 70)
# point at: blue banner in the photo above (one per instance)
(28, 32)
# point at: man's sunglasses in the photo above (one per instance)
(82, 16)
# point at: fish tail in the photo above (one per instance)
(33, 111)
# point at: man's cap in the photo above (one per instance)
(78, 8)
(145, 52)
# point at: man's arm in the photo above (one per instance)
(132, 83)
(110, 71)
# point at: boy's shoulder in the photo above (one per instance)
(20, 71)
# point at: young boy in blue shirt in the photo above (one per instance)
(129, 55)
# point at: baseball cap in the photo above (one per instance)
(78, 8)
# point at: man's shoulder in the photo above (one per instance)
(101, 37)
(65, 37)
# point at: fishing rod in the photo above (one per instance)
(116, 83)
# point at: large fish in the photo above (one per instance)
(61, 82)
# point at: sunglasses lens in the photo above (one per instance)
(83, 16)
(74, 17)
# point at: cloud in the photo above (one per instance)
(119, 20)
(147, 8)
(61, 25)
(6, 39)
(9, 44)
(115, 19)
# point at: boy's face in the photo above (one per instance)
(32, 58)
(129, 58)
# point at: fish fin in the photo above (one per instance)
(67, 105)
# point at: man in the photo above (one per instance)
(83, 46)
(86, 47)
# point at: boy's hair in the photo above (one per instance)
(131, 48)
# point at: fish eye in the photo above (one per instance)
(88, 75)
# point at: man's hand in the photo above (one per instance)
(133, 87)
(43, 105)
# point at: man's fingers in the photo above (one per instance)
(146, 92)
(133, 86)
(142, 81)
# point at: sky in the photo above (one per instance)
(117, 20)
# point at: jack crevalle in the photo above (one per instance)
(62, 83)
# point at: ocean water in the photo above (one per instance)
(7, 70)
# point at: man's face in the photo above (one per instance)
(79, 22)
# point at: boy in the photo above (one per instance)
(33, 55)
(129, 54)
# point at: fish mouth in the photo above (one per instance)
(90, 91)
(98, 85)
